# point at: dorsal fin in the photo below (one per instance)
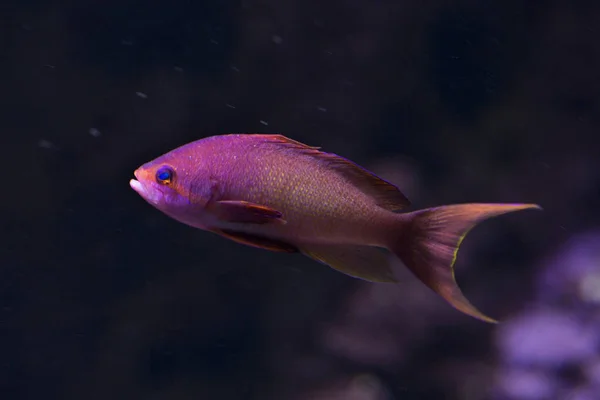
(385, 194)
(285, 141)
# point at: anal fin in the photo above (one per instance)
(364, 262)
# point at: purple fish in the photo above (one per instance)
(278, 194)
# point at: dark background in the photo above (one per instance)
(102, 296)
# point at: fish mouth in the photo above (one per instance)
(146, 189)
(137, 186)
(146, 193)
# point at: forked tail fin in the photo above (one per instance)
(429, 239)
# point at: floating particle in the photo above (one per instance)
(141, 95)
(264, 122)
(322, 109)
(95, 132)
(213, 41)
(178, 69)
(230, 106)
(46, 144)
(276, 39)
(236, 69)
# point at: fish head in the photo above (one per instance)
(158, 185)
(174, 186)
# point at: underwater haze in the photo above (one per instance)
(104, 297)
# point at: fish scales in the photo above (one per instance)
(318, 204)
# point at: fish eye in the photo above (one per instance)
(164, 176)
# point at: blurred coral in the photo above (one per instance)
(551, 350)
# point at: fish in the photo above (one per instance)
(275, 193)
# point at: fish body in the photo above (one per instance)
(296, 180)
(275, 193)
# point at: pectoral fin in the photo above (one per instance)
(245, 212)
(364, 262)
(257, 241)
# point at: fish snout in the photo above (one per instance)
(144, 174)
(146, 187)
(137, 184)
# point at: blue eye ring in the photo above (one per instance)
(164, 175)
